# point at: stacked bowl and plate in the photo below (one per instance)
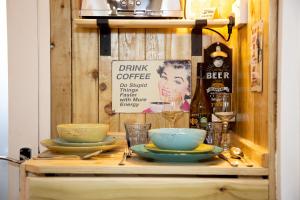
(176, 145)
(81, 138)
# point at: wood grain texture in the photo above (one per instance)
(155, 50)
(107, 163)
(131, 188)
(61, 88)
(106, 115)
(245, 101)
(253, 107)
(272, 93)
(84, 72)
(22, 182)
(150, 23)
(131, 47)
(253, 151)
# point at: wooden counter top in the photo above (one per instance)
(107, 163)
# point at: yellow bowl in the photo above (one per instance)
(82, 132)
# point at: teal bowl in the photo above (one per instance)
(177, 138)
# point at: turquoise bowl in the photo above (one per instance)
(177, 138)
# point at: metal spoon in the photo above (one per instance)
(236, 152)
(89, 155)
(232, 163)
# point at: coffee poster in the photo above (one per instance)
(151, 86)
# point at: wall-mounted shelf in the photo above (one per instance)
(150, 23)
(197, 25)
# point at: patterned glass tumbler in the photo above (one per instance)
(137, 133)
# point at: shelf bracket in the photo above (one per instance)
(197, 37)
(105, 38)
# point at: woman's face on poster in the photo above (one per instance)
(173, 83)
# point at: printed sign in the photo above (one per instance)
(151, 86)
(256, 63)
(218, 70)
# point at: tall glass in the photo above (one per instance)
(225, 113)
(171, 111)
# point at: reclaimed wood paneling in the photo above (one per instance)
(61, 84)
(91, 75)
(253, 107)
(106, 114)
(131, 47)
(155, 50)
(84, 72)
(270, 57)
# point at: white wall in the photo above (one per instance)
(3, 80)
(288, 141)
(3, 100)
(22, 83)
(28, 79)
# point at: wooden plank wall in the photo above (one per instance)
(255, 108)
(85, 86)
(90, 73)
(257, 120)
(61, 67)
(81, 78)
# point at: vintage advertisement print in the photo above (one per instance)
(218, 70)
(256, 62)
(151, 86)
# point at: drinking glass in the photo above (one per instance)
(137, 133)
(171, 111)
(223, 110)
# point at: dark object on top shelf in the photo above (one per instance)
(229, 29)
(197, 34)
(131, 9)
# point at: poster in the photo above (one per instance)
(256, 57)
(151, 86)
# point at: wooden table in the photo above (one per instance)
(102, 178)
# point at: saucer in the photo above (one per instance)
(202, 148)
(107, 140)
(52, 146)
(174, 157)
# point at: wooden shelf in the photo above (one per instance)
(135, 165)
(107, 163)
(150, 23)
